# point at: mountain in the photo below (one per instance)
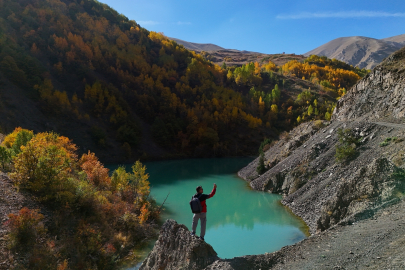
(362, 52)
(398, 39)
(232, 57)
(198, 46)
(83, 70)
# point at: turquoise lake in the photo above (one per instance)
(240, 221)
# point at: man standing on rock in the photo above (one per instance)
(203, 215)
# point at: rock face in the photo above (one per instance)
(177, 249)
(320, 190)
(379, 95)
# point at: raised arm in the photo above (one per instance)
(213, 191)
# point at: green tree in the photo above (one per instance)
(346, 147)
(261, 168)
(327, 116)
(310, 110)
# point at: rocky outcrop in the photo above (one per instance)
(277, 160)
(367, 187)
(177, 249)
(379, 95)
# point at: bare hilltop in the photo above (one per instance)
(362, 52)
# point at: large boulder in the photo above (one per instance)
(177, 249)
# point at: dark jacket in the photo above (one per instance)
(204, 197)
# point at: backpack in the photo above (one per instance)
(195, 204)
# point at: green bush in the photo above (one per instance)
(5, 157)
(346, 147)
(263, 145)
(386, 142)
(261, 168)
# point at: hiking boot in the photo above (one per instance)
(202, 238)
(192, 233)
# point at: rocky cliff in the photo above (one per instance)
(379, 95)
(321, 190)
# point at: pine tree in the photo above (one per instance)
(261, 168)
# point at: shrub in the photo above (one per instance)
(90, 208)
(45, 165)
(97, 174)
(386, 142)
(25, 228)
(264, 146)
(19, 137)
(346, 147)
(5, 157)
(261, 168)
(318, 124)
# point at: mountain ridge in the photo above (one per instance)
(197, 46)
(363, 52)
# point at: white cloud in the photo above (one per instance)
(183, 23)
(148, 22)
(341, 14)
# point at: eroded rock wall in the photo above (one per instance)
(316, 187)
(379, 95)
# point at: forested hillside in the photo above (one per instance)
(83, 70)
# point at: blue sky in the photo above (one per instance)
(266, 26)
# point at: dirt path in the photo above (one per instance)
(387, 124)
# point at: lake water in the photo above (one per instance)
(240, 221)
